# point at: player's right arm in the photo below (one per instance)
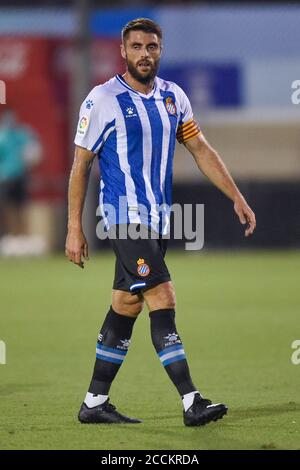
(76, 245)
(96, 121)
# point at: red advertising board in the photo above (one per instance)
(37, 74)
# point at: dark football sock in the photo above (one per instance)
(112, 346)
(170, 350)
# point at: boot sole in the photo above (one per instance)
(82, 421)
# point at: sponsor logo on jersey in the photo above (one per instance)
(130, 112)
(170, 105)
(89, 104)
(143, 268)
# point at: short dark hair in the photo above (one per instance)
(141, 24)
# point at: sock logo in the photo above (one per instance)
(125, 344)
(100, 337)
(172, 338)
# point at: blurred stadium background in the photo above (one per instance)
(237, 64)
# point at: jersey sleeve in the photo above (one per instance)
(95, 122)
(187, 127)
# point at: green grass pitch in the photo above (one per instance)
(237, 314)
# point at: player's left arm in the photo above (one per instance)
(212, 166)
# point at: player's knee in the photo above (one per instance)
(168, 299)
(135, 308)
(129, 310)
(127, 304)
(161, 297)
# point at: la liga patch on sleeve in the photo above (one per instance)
(83, 125)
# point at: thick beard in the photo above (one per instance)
(142, 78)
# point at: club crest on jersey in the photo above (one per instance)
(170, 105)
(143, 268)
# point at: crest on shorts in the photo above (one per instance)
(143, 268)
(170, 105)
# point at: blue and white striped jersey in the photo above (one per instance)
(134, 137)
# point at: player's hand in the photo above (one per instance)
(76, 247)
(245, 214)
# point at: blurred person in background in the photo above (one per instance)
(132, 122)
(20, 151)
